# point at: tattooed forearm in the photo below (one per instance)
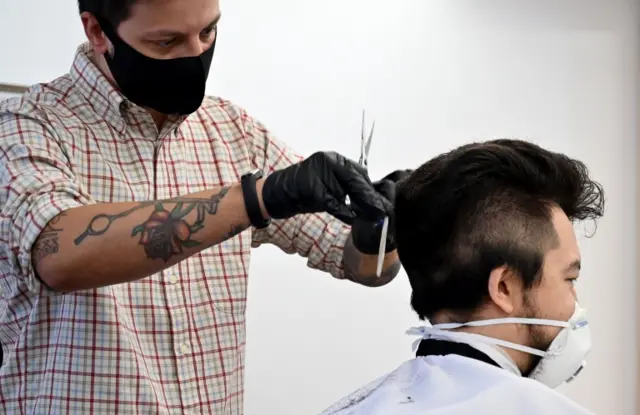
(48, 241)
(102, 244)
(357, 271)
(167, 230)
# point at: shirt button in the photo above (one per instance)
(184, 348)
(173, 279)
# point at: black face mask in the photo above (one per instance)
(169, 86)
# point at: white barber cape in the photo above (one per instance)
(454, 385)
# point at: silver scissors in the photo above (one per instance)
(365, 144)
(365, 147)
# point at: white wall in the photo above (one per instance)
(435, 74)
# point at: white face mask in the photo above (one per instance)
(560, 363)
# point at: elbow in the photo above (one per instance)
(372, 280)
(53, 276)
(388, 274)
(362, 268)
(53, 268)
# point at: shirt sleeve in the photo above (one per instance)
(318, 237)
(37, 185)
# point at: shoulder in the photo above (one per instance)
(375, 395)
(220, 108)
(436, 382)
(30, 124)
(233, 123)
(539, 397)
(485, 384)
(40, 103)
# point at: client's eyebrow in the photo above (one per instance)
(575, 265)
(173, 33)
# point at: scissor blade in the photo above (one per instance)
(367, 147)
(363, 155)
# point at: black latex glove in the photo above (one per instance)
(365, 233)
(321, 184)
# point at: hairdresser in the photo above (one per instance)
(129, 205)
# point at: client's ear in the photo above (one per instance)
(505, 289)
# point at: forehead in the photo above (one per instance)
(176, 15)
(567, 251)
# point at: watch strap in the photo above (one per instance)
(251, 202)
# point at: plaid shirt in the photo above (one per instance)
(172, 343)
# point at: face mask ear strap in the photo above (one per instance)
(507, 320)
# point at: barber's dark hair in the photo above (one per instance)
(481, 206)
(114, 11)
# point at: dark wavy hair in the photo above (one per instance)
(481, 206)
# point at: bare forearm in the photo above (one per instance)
(110, 243)
(361, 268)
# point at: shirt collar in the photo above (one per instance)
(106, 100)
(430, 347)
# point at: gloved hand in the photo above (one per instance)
(365, 233)
(321, 183)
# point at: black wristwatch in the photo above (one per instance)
(251, 202)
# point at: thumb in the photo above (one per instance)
(340, 211)
(363, 209)
(365, 200)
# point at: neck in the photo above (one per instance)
(498, 355)
(512, 333)
(158, 118)
(522, 360)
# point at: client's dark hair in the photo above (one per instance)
(114, 11)
(481, 206)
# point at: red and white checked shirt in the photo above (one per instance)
(172, 343)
